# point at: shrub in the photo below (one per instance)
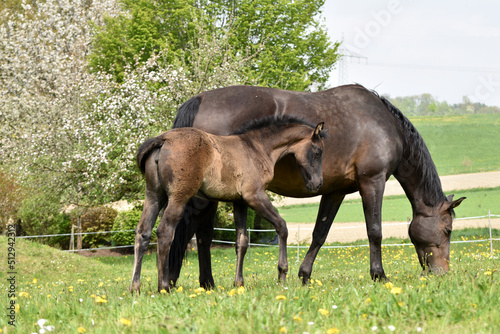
(97, 220)
(128, 220)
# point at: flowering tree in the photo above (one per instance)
(72, 135)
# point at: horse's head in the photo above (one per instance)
(430, 232)
(309, 156)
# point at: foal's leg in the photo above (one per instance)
(165, 233)
(154, 202)
(240, 219)
(263, 206)
(143, 233)
(328, 209)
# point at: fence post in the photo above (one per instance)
(72, 238)
(491, 237)
(298, 242)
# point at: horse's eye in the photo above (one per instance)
(447, 231)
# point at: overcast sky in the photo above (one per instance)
(447, 48)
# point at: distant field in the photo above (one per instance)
(462, 143)
(397, 208)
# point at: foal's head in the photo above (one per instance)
(308, 153)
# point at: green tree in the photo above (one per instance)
(286, 39)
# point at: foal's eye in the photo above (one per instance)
(447, 231)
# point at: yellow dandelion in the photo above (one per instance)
(423, 278)
(396, 290)
(283, 330)
(241, 290)
(319, 282)
(193, 295)
(35, 281)
(368, 300)
(81, 330)
(488, 273)
(163, 291)
(70, 289)
(332, 330)
(100, 300)
(100, 284)
(24, 294)
(232, 292)
(389, 285)
(126, 322)
(280, 297)
(324, 312)
(401, 304)
(297, 318)
(179, 289)
(16, 308)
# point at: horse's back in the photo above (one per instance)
(364, 137)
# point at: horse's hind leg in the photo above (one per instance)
(143, 231)
(165, 233)
(240, 218)
(204, 235)
(328, 209)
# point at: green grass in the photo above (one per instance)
(398, 208)
(461, 143)
(69, 292)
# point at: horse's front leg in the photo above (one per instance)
(165, 233)
(263, 206)
(240, 218)
(143, 233)
(372, 192)
(328, 209)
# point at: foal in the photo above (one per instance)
(187, 162)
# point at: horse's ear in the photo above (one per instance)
(450, 204)
(319, 128)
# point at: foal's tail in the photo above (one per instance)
(146, 149)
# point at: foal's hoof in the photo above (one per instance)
(135, 287)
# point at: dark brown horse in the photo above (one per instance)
(370, 140)
(183, 163)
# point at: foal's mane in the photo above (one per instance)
(275, 122)
(417, 156)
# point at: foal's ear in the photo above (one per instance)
(319, 128)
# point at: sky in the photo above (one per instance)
(447, 48)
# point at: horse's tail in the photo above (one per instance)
(187, 112)
(146, 149)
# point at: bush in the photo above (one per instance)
(63, 223)
(97, 220)
(128, 220)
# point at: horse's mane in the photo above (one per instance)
(416, 156)
(276, 122)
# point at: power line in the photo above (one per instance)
(436, 67)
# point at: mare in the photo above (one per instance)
(370, 140)
(187, 162)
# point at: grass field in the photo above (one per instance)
(75, 294)
(462, 143)
(398, 208)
